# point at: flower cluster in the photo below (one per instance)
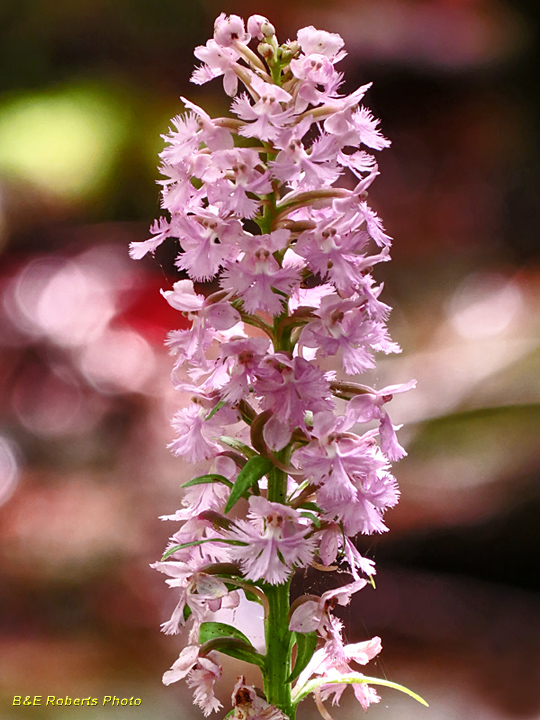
(270, 206)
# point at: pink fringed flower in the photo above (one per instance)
(269, 207)
(275, 540)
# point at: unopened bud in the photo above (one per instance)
(268, 30)
(293, 47)
(265, 50)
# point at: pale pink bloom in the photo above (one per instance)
(320, 42)
(333, 256)
(342, 107)
(183, 297)
(210, 379)
(364, 693)
(374, 225)
(359, 162)
(370, 293)
(291, 386)
(276, 541)
(217, 61)
(309, 297)
(332, 540)
(195, 556)
(179, 195)
(260, 27)
(228, 29)
(161, 230)
(219, 315)
(233, 198)
(314, 614)
(355, 127)
(360, 653)
(368, 133)
(196, 440)
(241, 359)
(334, 656)
(183, 141)
(202, 679)
(376, 492)
(335, 249)
(212, 135)
(332, 662)
(239, 174)
(186, 660)
(336, 460)
(303, 170)
(190, 345)
(360, 210)
(202, 672)
(198, 498)
(197, 436)
(344, 326)
(351, 472)
(266, 113)
(200, 592)
(255, 277)
(208, 240)
(315, 71)
(274, 241)
(369, 406)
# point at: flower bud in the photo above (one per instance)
(258, 26)
(293, 47)
(228, 29)
(265, 50)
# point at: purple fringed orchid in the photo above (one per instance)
(290, 478)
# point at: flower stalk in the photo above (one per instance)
(279, 642)
(289, 481)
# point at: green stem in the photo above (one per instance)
(278, 649)
(276, 627)
(279, 639)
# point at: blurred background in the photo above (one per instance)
(86, 88)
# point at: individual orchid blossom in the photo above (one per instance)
(368, 406)
(275, 542)
(331, 664)
(270, 206)
(313, 614)
(202, 679)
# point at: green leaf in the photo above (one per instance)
(310, 516)
(213, 630)
(310, 506)
(298, 491)
(236, 649)
(239, 446)
(312, 685)
(212, 478)
(174, 549)
(229, 641)
(305, 647)
(216, 409)
(252, 471)
(279, 292)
